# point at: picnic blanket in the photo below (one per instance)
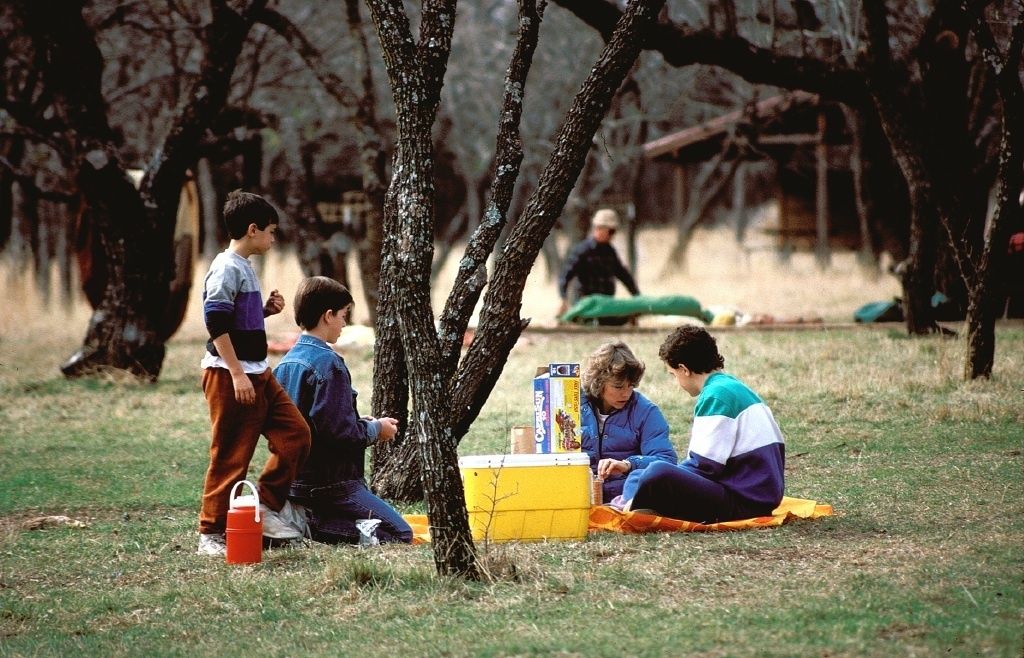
(606, 306)
(607, 518)
(610, 519)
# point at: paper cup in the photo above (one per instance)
(521, 439)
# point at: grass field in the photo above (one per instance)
(922, 557)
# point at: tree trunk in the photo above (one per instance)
(303, 221)
(184, 246)
(136, 228)
(393, 470)
(439, 418)
(866, 255)
(918, 275)
(19, 247)
(396, 467)
(707, 194)
(895, 112)
(823, 248)
(12, 150)
(123, 332)
(988, 292)
(416, 74)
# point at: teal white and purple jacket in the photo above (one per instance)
(736, 442)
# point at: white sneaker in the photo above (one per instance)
(628, 507)
(212, 544)
(295, 514)
(276, 525)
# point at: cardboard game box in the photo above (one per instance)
(556, 408)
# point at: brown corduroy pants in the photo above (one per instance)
(236, 430)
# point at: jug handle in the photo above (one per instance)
(255, 492)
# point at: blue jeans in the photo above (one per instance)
(333, 511)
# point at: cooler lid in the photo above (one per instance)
(536, 459)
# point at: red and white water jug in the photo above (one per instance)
(245, 528)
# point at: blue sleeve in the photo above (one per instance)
(333, 414)
(655, 444)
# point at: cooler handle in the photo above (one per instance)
(255, 492)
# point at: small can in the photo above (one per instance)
(597, 491)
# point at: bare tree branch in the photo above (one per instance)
(472, 274)
(500, 324)
(312, 57)
(682, 45)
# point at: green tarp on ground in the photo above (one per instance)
(605, 306)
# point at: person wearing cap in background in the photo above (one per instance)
(594, 265)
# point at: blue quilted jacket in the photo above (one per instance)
(637, 433)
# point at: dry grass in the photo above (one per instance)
(719, 273)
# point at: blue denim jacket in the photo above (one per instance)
(317, 380)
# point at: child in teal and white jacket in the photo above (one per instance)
(736, 457)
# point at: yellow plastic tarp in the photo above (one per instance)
(609, 519)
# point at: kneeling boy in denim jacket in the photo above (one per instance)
(331, 483)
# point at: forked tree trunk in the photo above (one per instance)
(500, 325)
(396, 466)
(988, 292)
(444, 404)
(135, 228)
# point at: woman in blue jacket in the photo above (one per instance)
(621, 429)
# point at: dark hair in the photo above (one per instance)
(244, 208)
(317, 295)
(611, 362)
(693, 347)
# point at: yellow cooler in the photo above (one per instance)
(527, 497)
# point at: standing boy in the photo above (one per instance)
(331, 485)
(244, 398)
(734, 469)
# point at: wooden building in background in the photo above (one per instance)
(808, 143)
